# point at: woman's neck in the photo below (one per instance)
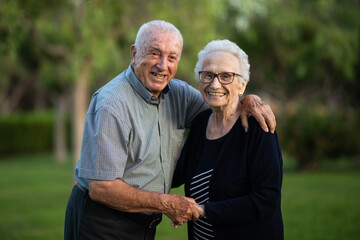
(222, 120)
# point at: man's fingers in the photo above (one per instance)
(262, 122)
(244, 120)
(269, 117)
(271, 122)
(180, 209)
(174, 224)
(253, 106)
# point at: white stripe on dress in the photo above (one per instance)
(200, 192)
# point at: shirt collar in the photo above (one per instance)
(140, 88)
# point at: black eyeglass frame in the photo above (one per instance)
(217, 75)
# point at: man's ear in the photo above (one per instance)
(133, 52)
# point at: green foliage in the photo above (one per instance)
(47, 45)
(310, 136)
(299, 48)
(198, 23)
(293, 46)
(26, 133)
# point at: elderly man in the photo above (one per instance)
(132, 139)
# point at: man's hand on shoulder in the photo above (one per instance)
(252, 105)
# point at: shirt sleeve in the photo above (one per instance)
(104, 148)
(263, 200)
(195, 105)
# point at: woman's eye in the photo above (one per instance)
(208, 75)
(226, 76)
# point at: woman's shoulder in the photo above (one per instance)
(202, 116)
(254, 125)
(256, 132)
(200, 122)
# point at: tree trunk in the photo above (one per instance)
(11, 102)
(81, 103)
(60, 150)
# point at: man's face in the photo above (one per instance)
(156, 64)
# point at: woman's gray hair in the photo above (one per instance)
(224, 46)
(148, 29)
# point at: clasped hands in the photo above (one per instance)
(181, 209)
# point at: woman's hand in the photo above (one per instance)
(201, 210)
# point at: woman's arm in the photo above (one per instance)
(180, 170)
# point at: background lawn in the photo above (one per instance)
(34, 192)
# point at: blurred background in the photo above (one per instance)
(304, 57)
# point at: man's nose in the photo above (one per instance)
(162, 63)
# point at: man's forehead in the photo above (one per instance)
(171, 48)
(168, 43)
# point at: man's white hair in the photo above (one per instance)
(224, 46)
(143, 36)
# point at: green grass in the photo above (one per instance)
(34, 192)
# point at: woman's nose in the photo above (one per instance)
(215, 82)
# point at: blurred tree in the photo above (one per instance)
(98, 39)
(106, 29)
(54, 53)
(198, 21)
(300, 48)
(32, 62)
(304, 52)
(50, 48)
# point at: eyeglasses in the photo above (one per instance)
(224, 77)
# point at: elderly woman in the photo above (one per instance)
(234, 176)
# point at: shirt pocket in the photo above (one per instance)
(176, 139)
(176, 144)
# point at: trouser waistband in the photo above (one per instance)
(151, 220)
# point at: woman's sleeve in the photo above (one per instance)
(180, 170)
(265, 168)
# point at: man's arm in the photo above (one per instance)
(252, 105)
(118, 195)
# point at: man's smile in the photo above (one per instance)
(159, 76)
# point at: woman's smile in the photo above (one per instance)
(216, 94)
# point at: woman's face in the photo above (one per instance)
(215, 94)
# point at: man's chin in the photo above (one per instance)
(158, 87)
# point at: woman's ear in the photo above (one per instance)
(242, 87)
